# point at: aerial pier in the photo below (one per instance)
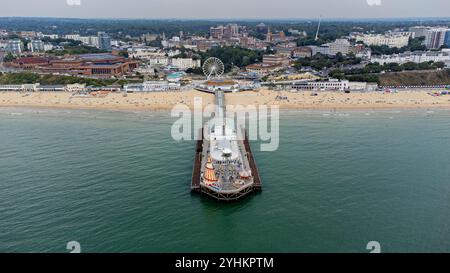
(224, 167)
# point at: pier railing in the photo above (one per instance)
(257, 183)
(195, 182)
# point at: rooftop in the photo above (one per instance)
(218, 82)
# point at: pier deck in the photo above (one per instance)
(224, 194)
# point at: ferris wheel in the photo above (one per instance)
(213, 68)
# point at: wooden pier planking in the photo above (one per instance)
(195, 182)
(257, 183)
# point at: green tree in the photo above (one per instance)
(410, 66)
(234, 56)
(9, 58)
(440, 65)
(155, 43)
(123, 53)
(197, 71)
(337, 74)
(394, 67)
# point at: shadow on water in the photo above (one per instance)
(209, 203)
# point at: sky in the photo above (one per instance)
(225, 9)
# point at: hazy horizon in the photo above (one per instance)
(226, 10)
(262, 19)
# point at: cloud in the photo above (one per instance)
(374, 2)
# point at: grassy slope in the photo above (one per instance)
(416, 78)
(26, 77)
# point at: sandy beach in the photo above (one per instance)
(332, 100)
(133, 101)
(166, 100)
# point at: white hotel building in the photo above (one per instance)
(332, 84)
(152, 86)
(415, 57)
(391, 39)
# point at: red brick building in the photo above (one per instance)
(106, 65)
(30, 62)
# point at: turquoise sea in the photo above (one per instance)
(117, 182)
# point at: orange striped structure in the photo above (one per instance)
(209, 176)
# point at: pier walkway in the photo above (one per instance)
(202, 149)
(220, 105)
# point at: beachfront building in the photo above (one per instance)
(332, 84)
(363, 86)
(98, 65)
(415, 57)
(51, 88)
(19, 87)
(152, 86)
(30, 62)
(214, 85)
(37, 87)
(74, 88)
